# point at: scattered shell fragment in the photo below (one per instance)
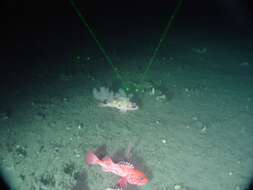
(180, 187)
(161, 97)
(204, 129)
(177, 187)
(157, 122)
(244, 64)
(199, 50)
(152, 92)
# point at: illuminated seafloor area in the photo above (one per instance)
(193, 129)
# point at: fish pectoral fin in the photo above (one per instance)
(122, 182)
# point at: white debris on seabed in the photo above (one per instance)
(203, 130)
(4, 116)
(194, 118)
(161, 97)
(177, 187)
(157, 122)
(244, 64)
(113, 189)
(65, 77)
(199, 50)
(180, 187)
(152, 92)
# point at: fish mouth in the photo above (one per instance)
(143, 181)
(134, 106)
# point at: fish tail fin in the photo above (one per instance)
(91, 158)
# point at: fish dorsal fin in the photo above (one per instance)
(126, 164)
(107, 159)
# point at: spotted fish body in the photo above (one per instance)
(128, 174)
(121, 104)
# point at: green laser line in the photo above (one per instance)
(164, 34)
(108, 59)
